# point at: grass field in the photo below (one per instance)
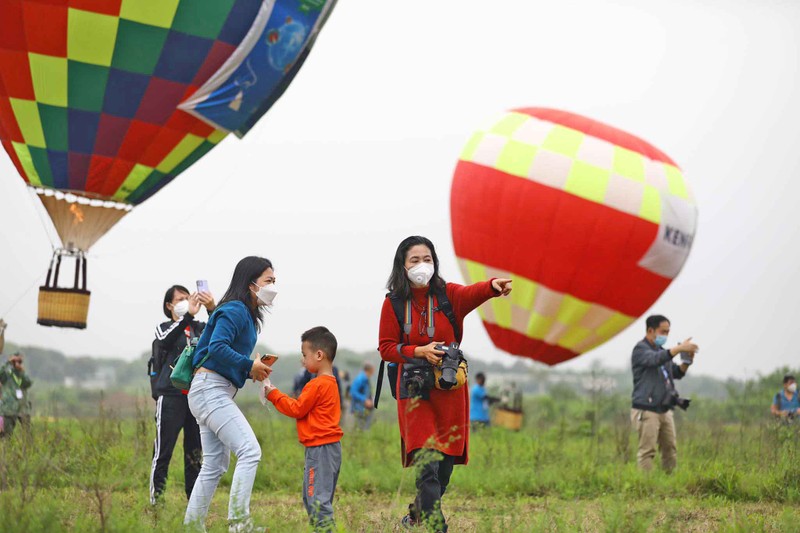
(571, 468)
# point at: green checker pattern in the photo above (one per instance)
(72, 95)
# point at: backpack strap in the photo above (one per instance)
(446, 307)
(379, 385)
(399, 313)
(443, 305)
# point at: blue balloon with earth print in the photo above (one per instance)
(285, 44)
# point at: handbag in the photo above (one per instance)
(183, 371)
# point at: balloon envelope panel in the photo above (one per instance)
(591, 222)
(89, 90)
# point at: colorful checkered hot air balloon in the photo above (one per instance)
(591, 222)
(104, 102)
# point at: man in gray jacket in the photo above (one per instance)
(654, 395)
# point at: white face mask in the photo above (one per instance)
(421, 274)
(792, 388)
(181, 308)
(266, 294)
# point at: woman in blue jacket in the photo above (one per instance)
(223, 355)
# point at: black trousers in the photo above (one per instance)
(433, 475)
(172, 416)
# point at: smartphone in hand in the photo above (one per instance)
(269, 359)
(202, 285)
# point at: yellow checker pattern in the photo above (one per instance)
(135, 178)
(585, 180)
(216, 136)
(49, 77)
(27, 114)
(181, 151)
(566, 323)
(25, 159)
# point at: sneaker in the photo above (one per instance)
(410, 521)
(245, 526)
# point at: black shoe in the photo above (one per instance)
(410, 520)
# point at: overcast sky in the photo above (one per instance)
(359, 153)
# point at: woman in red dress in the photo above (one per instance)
(434, 427)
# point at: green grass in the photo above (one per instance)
(572, 467)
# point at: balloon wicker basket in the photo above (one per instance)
(505, 418)
(63, 308)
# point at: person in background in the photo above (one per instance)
(2, 347)
(361, 395)
(14, 384)
(654, 395)
(317, 410)
(3, 326)
(172, 406)
(223, 364)
(786, 404)
(479, 403)
(344, 390)
(302, 378)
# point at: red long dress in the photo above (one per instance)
(442, 422)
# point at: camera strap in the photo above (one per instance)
(670, 385)
(402, 311)
(431, 320)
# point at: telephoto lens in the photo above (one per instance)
(450, 362)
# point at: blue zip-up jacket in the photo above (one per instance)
(360, 391)
(230, 336)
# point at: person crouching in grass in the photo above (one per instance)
(317, 410)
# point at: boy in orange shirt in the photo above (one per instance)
(317, 411)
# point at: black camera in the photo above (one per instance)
(418, 379)
(673, 399)
(450, 361)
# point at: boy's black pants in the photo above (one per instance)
(172, 416)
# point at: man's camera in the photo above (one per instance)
(673, 399)
(450, 361)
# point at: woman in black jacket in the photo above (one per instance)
(172, 407)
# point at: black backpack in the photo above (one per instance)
(155, 364)
(442, 304)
